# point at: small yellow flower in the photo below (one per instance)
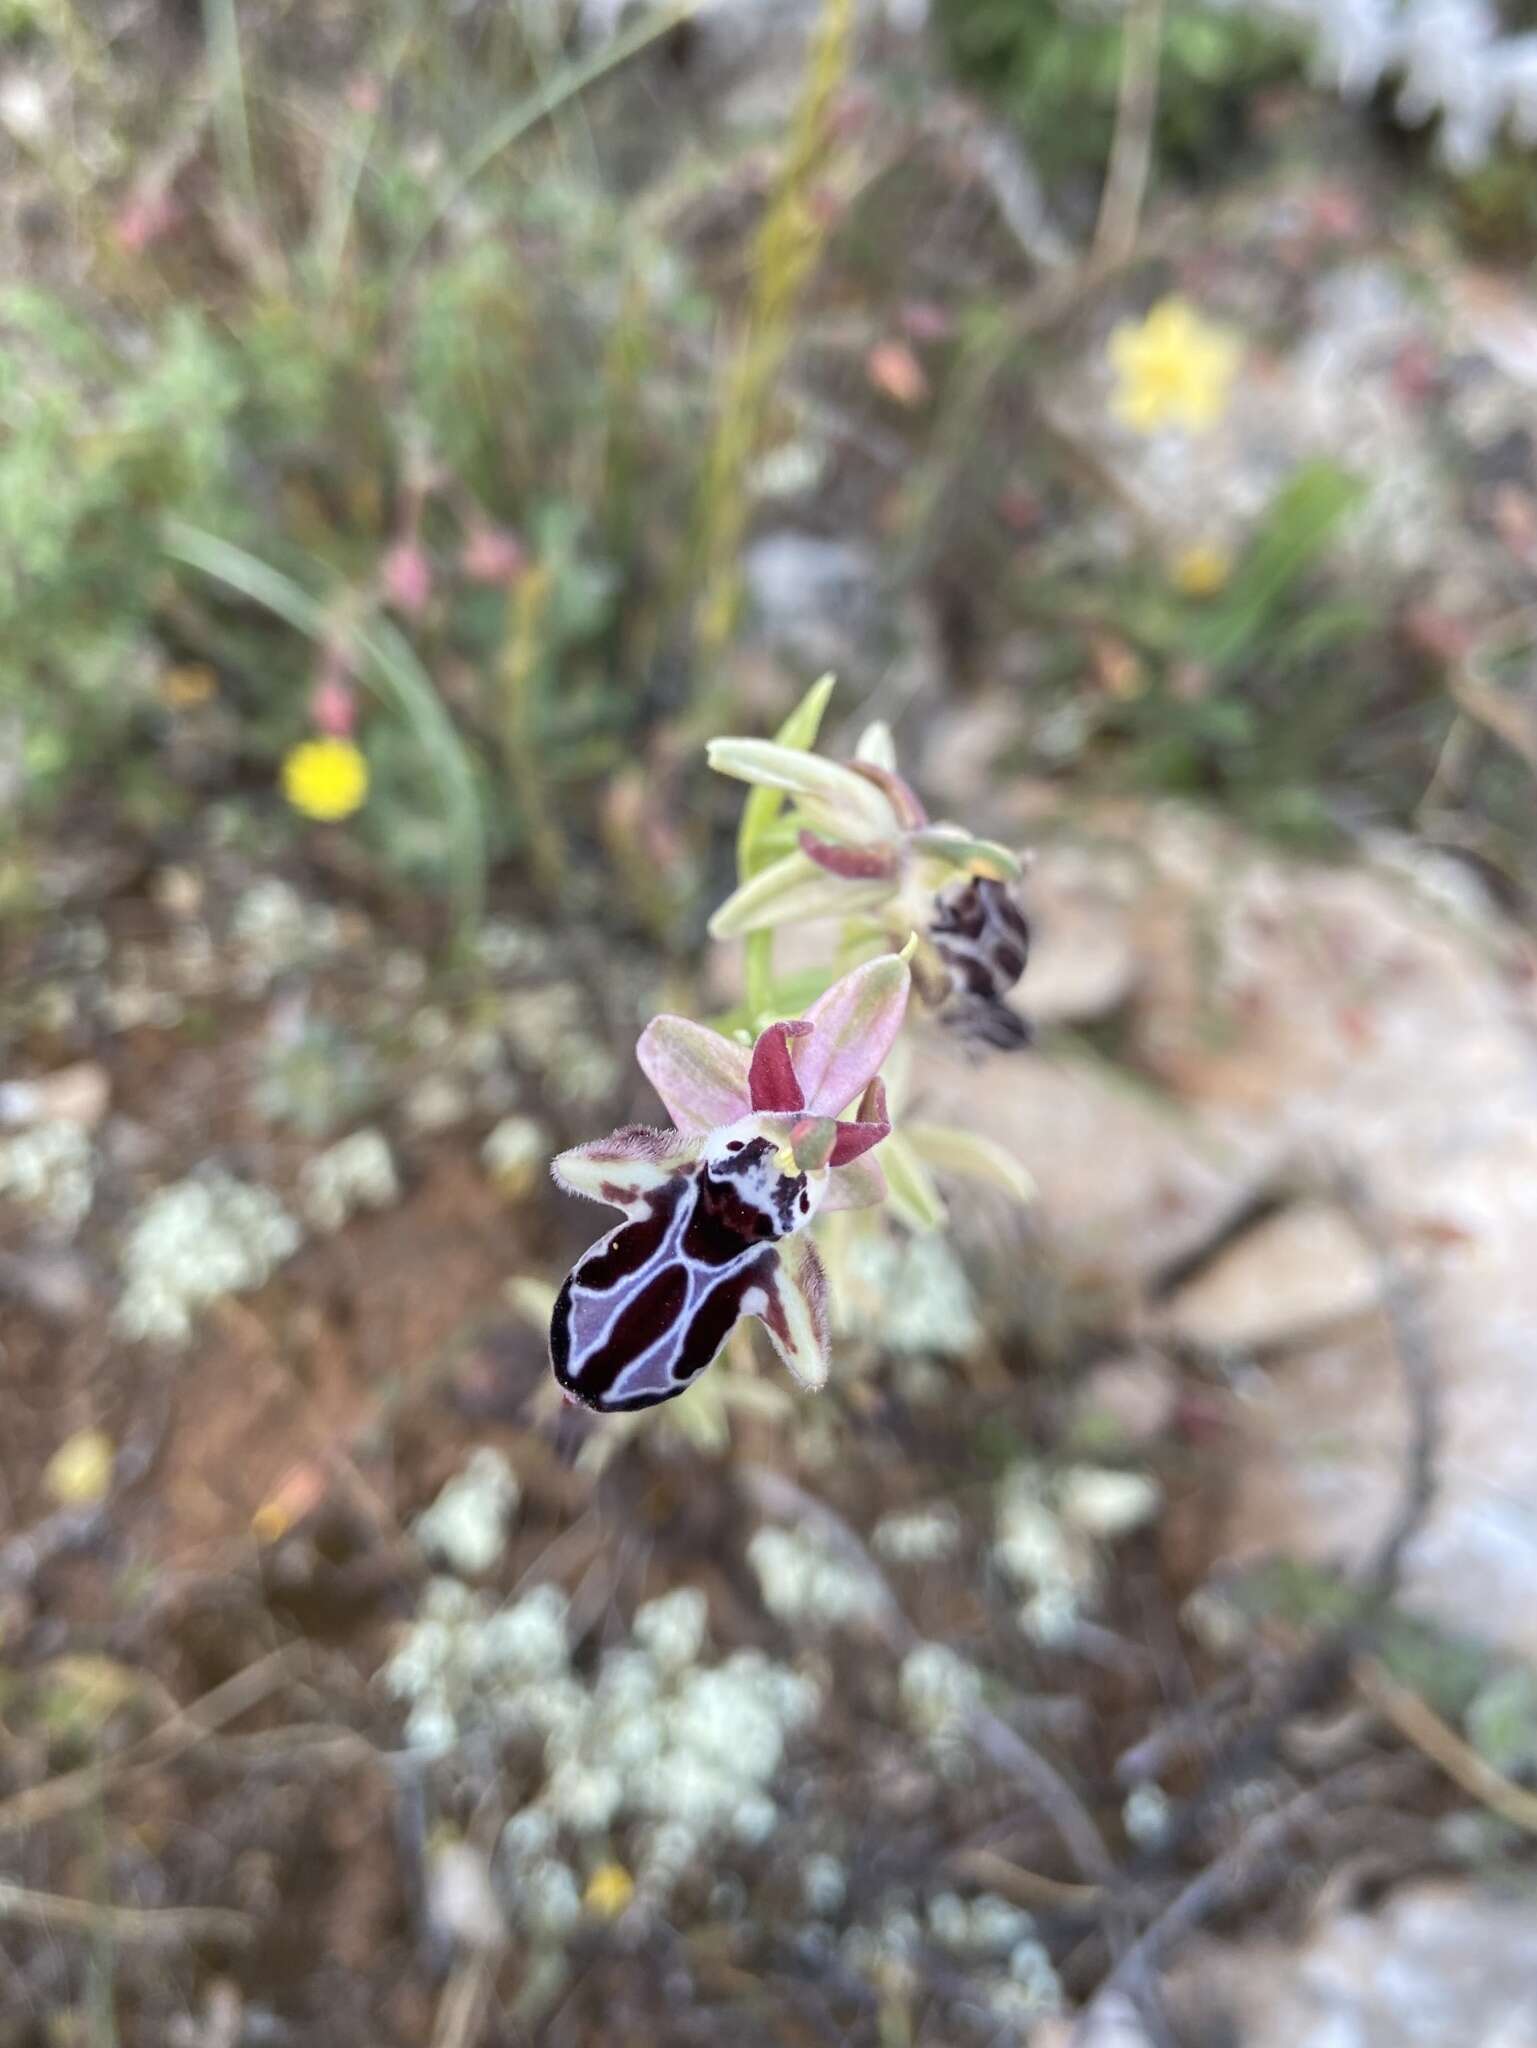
(79, 1473)
(609, 1890)
(325, 779)
(1201, 570)
(1172, 369)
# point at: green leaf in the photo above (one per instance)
(1303, 518)
(763, 806)
(910, 1186)
(968, 1152)
(390, 665)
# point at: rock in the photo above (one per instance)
(1288, 1017)
(52, 1282)
(1126, 1188)
(1290, 1276)
(78, 1094)
(817, 599)
(1125, 1402)
(1439, 1965)
(1081, 960)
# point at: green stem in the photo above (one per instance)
(759, 949)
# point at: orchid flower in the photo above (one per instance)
(864, 842)
(866, 852)
(716, 1208)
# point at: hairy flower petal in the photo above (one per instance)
(700, 1076)
(796, 1312)
(854, 1025)
(771, 1079)
(624, 1167)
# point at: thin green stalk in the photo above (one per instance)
(389, 665)
(526, 609)
(758, 968)
(221, 28)
(788, 244)
(554, 94)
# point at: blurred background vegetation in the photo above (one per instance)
(422, 428)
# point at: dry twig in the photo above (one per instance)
(1422, 1726)
(174, 1737)
(1131, 147)
(56, 1914)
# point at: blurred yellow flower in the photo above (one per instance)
(325, 779)
(1201, 570)
(609, 1890)
(1172, 369)
(79, 1474)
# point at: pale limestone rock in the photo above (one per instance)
(1440, 1965)
(1303, 1270)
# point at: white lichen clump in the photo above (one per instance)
(1145, 1816)
(273, 930)
(548, 1029)
(1009, 1975)
(515, 1152)
(919, 1536)
(1047, 1533)
(50, 1170)
(466, 1526)
(677, 1752)
(1035, 1548)
(1105, 1502)
(910, 1295)
(355, 1174)
(939, 1689)
(805, 1582)
(192, 1242)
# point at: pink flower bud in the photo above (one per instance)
(144, 219)
(492, 555)
(405, 578)
(333, 708)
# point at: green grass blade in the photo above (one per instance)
(554, 94)
(390, 666)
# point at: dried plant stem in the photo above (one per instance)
(122, 1923)
(174, 1737)
(526, 610)
(784, 254)
(1131, 146)
(1422, 1726)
